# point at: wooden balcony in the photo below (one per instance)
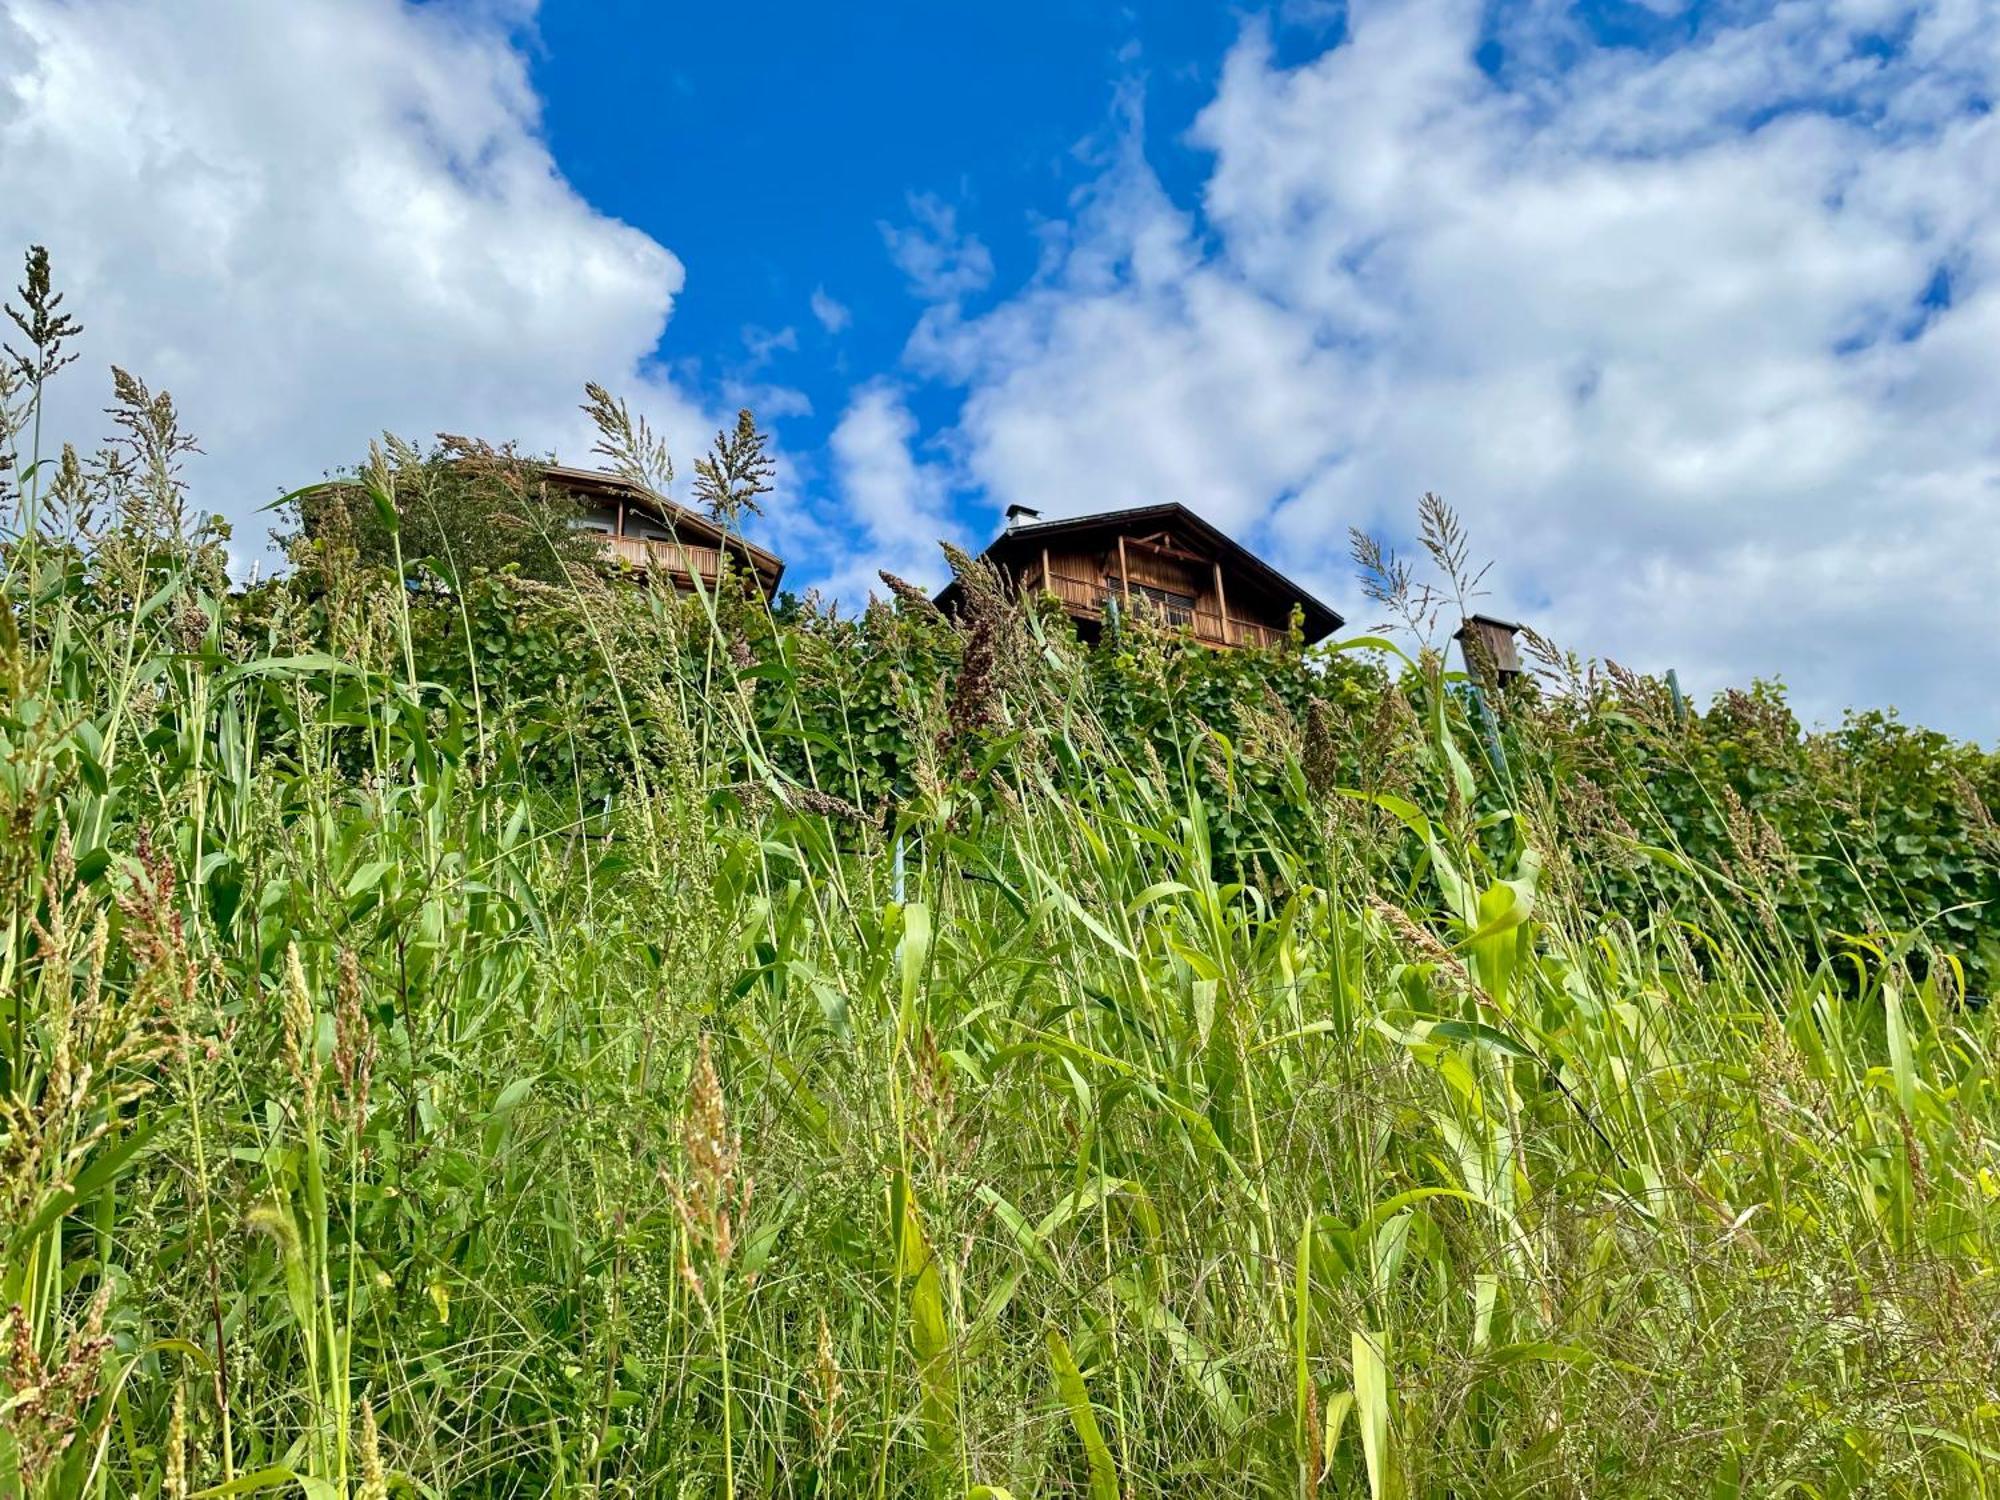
(1087, 598)
(680, 558)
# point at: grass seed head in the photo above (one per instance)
(353, 1046)
(712, 1195)
(827, 1389)
(912, 598)
(299, 1029)
(47, 1398)
(374, 1478)
(175, 1484)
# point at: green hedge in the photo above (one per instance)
(1875, 831)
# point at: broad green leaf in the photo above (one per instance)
(930, 1327)
(1371, 1405)
(1082, 1418)
(275, 1477)
(912, 957)
(1902, 1064)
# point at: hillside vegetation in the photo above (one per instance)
(466, 1033)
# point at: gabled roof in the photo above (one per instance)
(688, 525)
(1029, 537)
(1511, 626)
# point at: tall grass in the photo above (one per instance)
(378, 1120)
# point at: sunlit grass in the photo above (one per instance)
(380, 1118)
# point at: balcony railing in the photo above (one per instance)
(1089, 596)
(666, 556)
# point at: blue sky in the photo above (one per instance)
(776, 158)
(1693, 311)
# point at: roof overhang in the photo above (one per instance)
(1028, 538)
(1512, 627)
(687, 525)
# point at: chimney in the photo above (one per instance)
(1020, 515)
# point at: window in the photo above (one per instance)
(1175, 609)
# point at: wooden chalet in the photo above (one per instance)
(1161, 559)
(653, 534)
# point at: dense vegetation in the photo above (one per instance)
(468, 1033)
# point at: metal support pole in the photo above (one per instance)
(1489, 733)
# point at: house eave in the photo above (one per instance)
(1321, 621)
(687, 524)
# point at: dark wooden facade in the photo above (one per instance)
(1160, 560)
(1485, 641)
(651, 533)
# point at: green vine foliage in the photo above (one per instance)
(1874, 833)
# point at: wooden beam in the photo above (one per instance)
(1047, 586)
(1162, 543)
(1124, 574)
(621, 515)
(1222, 603)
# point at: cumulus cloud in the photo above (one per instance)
(317, 220)
(1700, 341)
(898, 502)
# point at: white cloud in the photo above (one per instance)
(316, 220)
(1656, 324)
(942, 262)
(765, 344)
(834, 317)
(900, 503)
